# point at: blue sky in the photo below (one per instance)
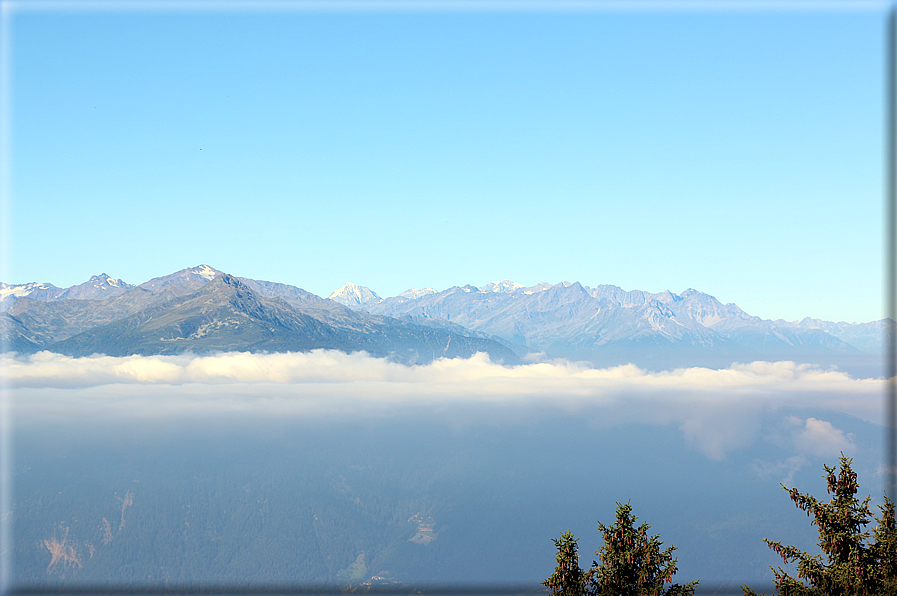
(737, 152)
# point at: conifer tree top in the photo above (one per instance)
(853, 564)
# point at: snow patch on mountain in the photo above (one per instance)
(204, 271)
(104, 281)
(505, 285)
(413, 293)
(20, 290)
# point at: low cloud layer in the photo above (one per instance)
(716, 410)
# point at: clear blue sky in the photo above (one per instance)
(736, 152)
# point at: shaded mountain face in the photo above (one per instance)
(98, 287)
(45, 323)
(224, 315)
(170, 316)
(292, 294)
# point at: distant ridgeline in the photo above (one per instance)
(203, 310)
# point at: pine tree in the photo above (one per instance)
(631, 562)
(568, 578)
(853, 565)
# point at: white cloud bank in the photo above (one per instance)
(46, 369)
(717, 410)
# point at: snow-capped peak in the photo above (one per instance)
(352, 295)
(505, 285)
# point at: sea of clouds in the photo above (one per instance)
(717, 411)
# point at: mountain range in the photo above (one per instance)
(201, 309)
(609, 325)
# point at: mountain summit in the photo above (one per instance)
(193, 275)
